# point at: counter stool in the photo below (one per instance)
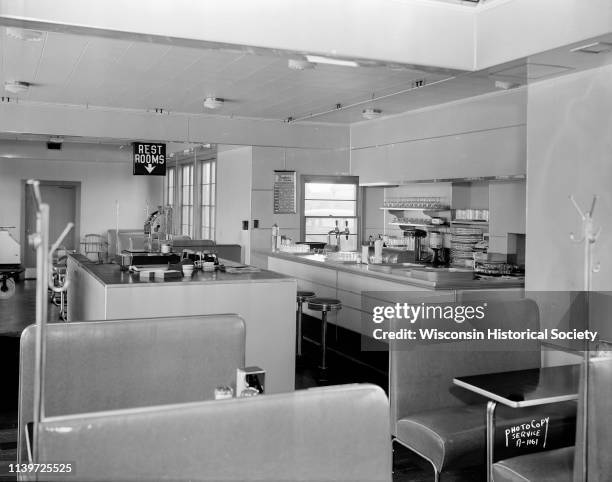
(301, 297)
(324, 305)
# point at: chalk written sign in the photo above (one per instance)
(530, 434)
(149, 159)
(284, 192)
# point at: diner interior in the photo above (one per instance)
(216, 218)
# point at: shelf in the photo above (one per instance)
(472, 223)
(414, 225)
(417, 209)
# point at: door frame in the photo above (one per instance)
(77, 213)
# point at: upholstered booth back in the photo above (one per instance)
(110, 365)
(421, 374)
(599, 428)
(331, 433)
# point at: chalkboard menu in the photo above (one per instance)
(284, 192)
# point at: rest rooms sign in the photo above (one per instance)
(149, 159)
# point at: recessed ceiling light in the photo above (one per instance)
(370, 113)
(213, 102)
(317, 59)
(25, 34)
(593, 48)
(16, 86)
(296, 64)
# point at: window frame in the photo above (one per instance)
(195, 159)
(181, 204)
(212, 206)
(331, 179)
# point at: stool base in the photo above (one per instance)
(323, 375)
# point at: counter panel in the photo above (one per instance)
(265, 300)
(349, 283)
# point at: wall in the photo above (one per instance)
(569, 143)
(373, 217)
(88, 122)
(479, 136)
(105, 174)
(304, 161)
(569, 146)
(535, 27)
(234, 168)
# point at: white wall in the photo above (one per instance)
(569, 147)
(234, 167)
(82, 121)
(102, 182)
(513, 29)
(569, 151)
(373, 218)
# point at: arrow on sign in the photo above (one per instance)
(149, 168)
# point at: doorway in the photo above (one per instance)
(63, 198)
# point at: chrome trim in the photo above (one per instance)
(436, 472)
(515, 404)
(490, 438)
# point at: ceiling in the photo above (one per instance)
(71, 69)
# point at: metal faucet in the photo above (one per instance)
(336, 232)
(346, 229)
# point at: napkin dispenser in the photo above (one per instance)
(249, 378)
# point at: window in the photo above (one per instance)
(330, 201)
(187, 200)
(170, 187)
(207, 199)
(190, 188)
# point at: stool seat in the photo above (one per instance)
(324, 304)
(304, 295)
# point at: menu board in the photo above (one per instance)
(284, 192)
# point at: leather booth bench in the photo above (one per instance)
(332, 433)
(112, 365)
(446, 424)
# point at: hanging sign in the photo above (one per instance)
(149, 159)
(284, 192)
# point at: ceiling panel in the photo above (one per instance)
(60, 57)
(81, 70)
(20, 59)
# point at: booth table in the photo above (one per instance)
(521, 388)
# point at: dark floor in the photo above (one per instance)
(346, 362)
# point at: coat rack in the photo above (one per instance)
(589, 237)
(39, 240)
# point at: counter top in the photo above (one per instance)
(363, 270)
(110, 274)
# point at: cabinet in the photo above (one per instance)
(496, 152)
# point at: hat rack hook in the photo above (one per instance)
(588, 237)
